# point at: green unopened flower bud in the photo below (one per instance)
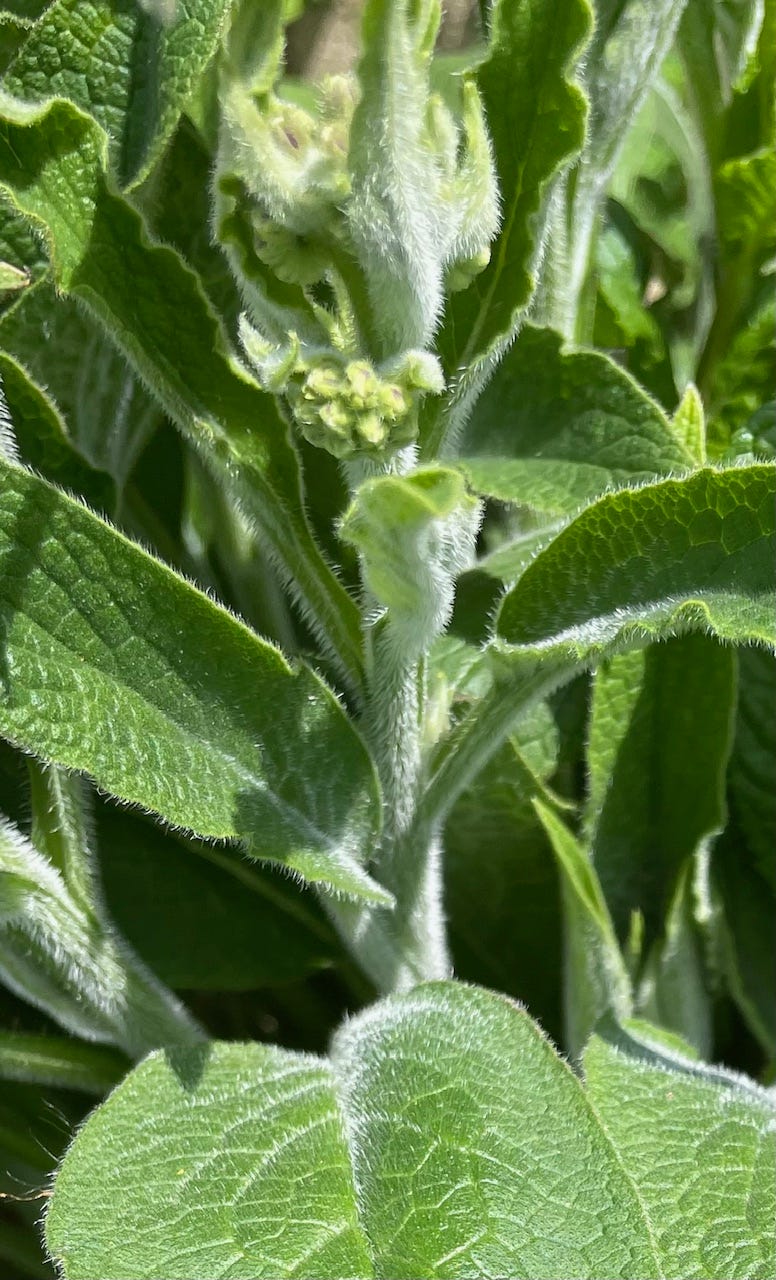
(460, 274)
(418, 371)
(395, 402)
(372, 429)
(350, 407)
(292, 258)
(324, 382)
(363, 383)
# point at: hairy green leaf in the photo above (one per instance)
(674, 989)
(115, 666)
(134, 74)
(629, 44)
(108, 415)
(154, 310)
(695, 553)
(744, 908)
(554, 429)
(753, 762)
(642, 564)
(700, 1147)
(626, 52)
(689, 424)
(536, 113)
(484, 1157)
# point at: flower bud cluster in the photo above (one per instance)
(346, 405)
(345, 221)
(293, 165)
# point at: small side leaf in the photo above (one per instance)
(59, 1063)
(415, 534)
(63, 957)
(689, 424)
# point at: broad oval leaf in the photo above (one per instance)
(554, 429)
(115, 666)
(696, 553)
(443, 1137)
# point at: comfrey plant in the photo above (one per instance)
(387, 598)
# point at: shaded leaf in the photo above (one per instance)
(51, 167)
(52, 1060)
(658, 744)
(501, 886)
(42, 437)
(123, 670)
(203, 917)
(595, 979)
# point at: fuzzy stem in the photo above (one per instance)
(401, 947)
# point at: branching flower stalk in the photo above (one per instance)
(346, 226)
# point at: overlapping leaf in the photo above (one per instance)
(483, 1157)
(115, 666)
(692, 554)
(51, 168)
